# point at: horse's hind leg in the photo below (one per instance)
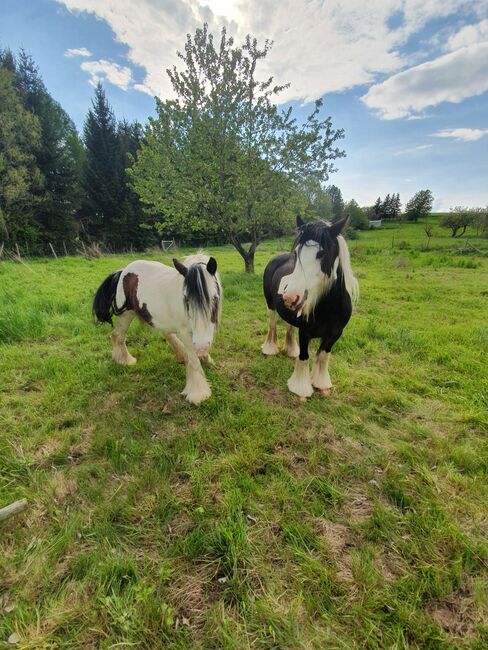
(177, 346)
(270, 346)
(291, 345)
(120, 353)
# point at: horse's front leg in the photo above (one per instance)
(299, 383)
(320, 371)
(197, 388)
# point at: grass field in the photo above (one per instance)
(254, 520)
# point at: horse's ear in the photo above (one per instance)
(181, 268)
(339, 226)
(300, 221)
(212, 266)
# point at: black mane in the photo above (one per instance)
(196, 291)
(319, 231)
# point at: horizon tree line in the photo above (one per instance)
(220, 162)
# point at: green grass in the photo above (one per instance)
(253, 520)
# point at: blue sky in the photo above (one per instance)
(406, 79)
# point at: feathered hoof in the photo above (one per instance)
(125, 360)
(269, 349)
(326, 391)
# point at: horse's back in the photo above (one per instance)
(148, 283)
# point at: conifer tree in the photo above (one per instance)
(102, 217)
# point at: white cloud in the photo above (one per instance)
(80, 51)
(448, 78)
(420, 147)
(466, 135)
(468, 35)
(103, 70)
(320, 47)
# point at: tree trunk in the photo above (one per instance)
(247, 256)
(249, 262)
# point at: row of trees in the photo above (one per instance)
(420, 205)
(56, 188)
(460, 218)
(220, 161)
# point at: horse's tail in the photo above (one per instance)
(104, 305)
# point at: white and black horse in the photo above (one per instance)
(311, 288)
(184, 304)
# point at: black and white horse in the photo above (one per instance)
(184, 304)
(312, 288)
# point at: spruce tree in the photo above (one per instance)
(378, 208)
(102, 217)
(335, 195)
(129, 136)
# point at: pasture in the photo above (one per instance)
(254, 520)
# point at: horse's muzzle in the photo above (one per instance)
(294, 301)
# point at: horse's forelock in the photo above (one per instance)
(318, 231)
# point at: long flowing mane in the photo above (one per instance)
(196, 291)
(319, 232)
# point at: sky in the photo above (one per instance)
(406, 79)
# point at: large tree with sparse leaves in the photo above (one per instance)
(221, 158)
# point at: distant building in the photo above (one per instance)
(375, 223)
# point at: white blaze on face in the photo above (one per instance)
(306, 275)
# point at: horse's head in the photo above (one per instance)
(316, 250)
(202, 297)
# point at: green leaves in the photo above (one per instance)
(221, 159)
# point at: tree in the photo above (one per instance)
(221, 159)
(396, 205)
(20, 178)
(386, 208)
(429, 232)
(337, 201)
(479, 220)
(419, 205)
(319, 204)
(378, 208)
(58, 157)
(458, 218)
(358, 219)
(102, 217)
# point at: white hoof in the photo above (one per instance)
(124, 359)
(299, 383)
(320, 372)
(196, 396)
(269, 349)
(300, 388)
(292, 351)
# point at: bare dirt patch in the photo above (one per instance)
(457, 613)
(338, 539)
